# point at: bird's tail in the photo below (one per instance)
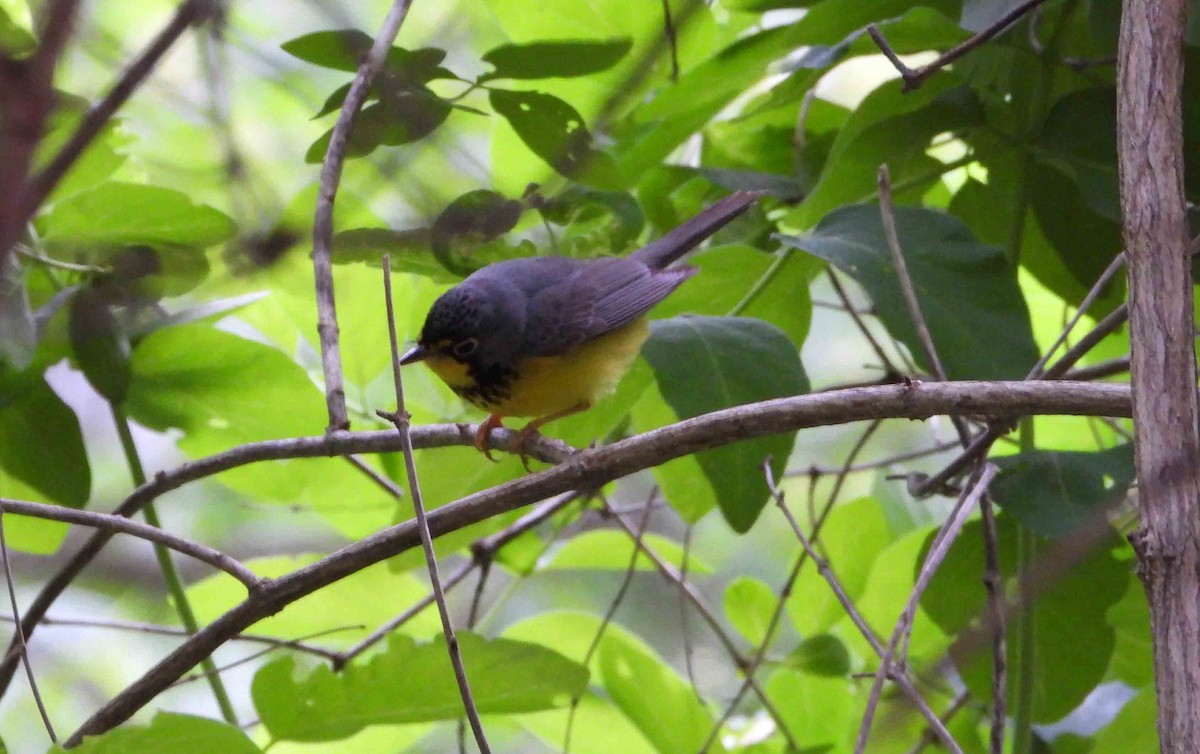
(660, 253)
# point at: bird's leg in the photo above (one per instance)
(493, 421)
(531, 429)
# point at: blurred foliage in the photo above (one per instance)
(170, 269)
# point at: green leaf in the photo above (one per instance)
(406, 115)
(654, 129)
(1053, 493)
(222, 390)
(409, 683)
(344, 49)
(854, 535)
(117, 213)
(16, 29)
(818, 711)
(1080, 136)
(749, 605)
(1133, 729)
(556, 132)
(598, 727)
(703, 364)
(468, 223)
(545, 60)
(610, 550)
(893, 127)
(829, 21)
(660, 703)
(101, 348)
(168, 732)
(99, 160)
(40, 439)
(964, 287)
(1085, 242)
(1073, 641)
(1133, 655)
(823, 654)
(18, 328)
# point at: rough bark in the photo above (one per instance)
(1150, 145)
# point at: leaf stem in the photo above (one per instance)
(174, 585)
(1026, 658)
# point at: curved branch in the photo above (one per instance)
(114, 524)
(334, 444)
(593, 468)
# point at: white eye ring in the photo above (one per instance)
(465, 348)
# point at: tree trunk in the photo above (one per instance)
(1150, 146)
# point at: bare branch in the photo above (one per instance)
(915, 78)
(119, 524)
(593, 468)
(401, 420)
(949, 532)
(331, 175)
(19, 635)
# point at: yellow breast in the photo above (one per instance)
(549, 384)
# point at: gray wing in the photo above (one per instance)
(599, 297)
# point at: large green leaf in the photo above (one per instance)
(168, 732)
(401, 116)
(660, 703)
(100, 347)
(707, 363)
(116, 213)
(853, 536)
(40, 440)
(344, 49)
(1073, 642)
(817, 710)
(1054, 492)
(964, 288)
(222, 390)
(749, 605)
(411, 682)
(554, 59)
(556, 132)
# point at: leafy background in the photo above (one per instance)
(196, 205)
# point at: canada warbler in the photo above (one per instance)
(546, 337)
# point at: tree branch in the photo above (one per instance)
(593, 468)
(331, 175)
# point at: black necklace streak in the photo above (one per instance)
(490, 385)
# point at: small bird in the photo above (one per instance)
(546, 337)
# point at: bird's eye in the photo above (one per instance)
(465, 348)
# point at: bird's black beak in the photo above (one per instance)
(415, 354)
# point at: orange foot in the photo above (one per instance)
(494, 421)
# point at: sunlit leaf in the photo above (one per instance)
(553, 59)
(40, 439)
(169, 731)
(749, 605)
(506, 677)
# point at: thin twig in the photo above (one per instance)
(887, 212)
(331, 174)
(672, 43)
(956, 705)
(19, 635)
(614, 603)
(685, 621)
(891, 373)
(913, 78)
(890, 460)
(385, 484)
(855, 616)
(274, 646)
(937, 553)
(119, 524)
(1093, 293)
(401, 420)
(157, 630)
(994, 585)
(714, 623)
